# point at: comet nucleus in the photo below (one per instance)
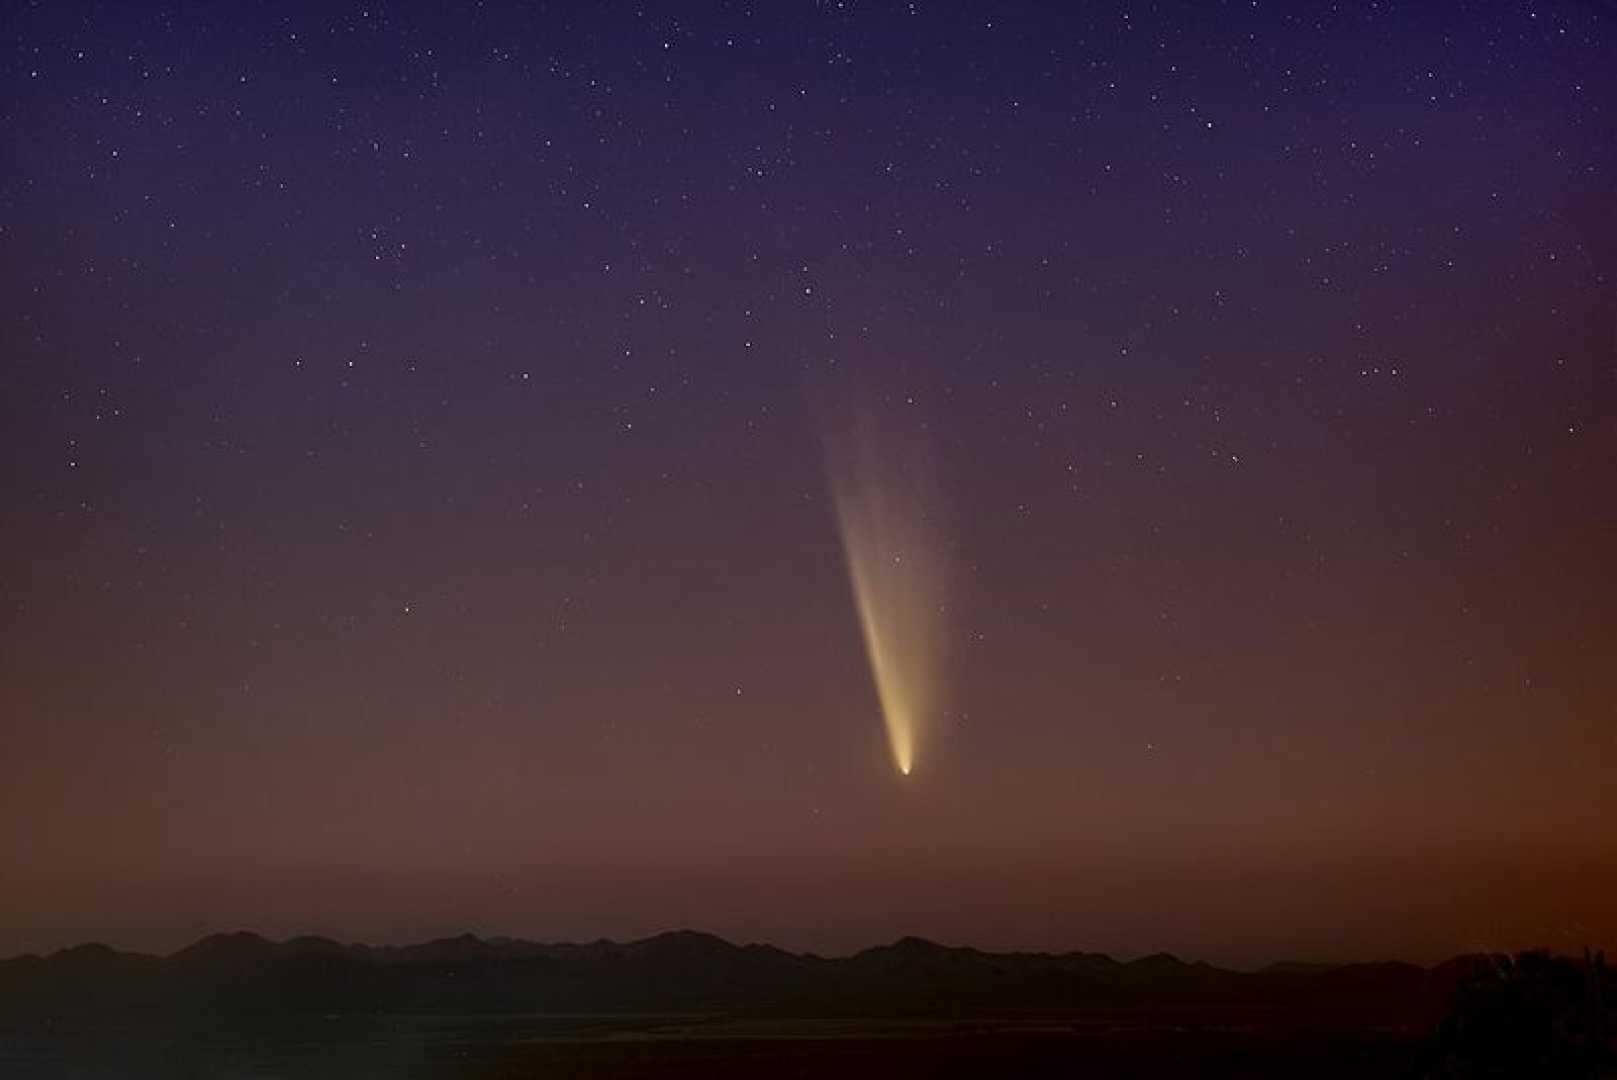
(896, 565)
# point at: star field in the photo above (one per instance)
(416, 517)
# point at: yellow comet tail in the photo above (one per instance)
(895, 566)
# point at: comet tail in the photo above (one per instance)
(896, 567)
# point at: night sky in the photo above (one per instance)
(422, 439)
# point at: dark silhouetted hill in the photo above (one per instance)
(1527, 1008)
(684, 971)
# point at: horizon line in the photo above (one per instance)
(510, 939)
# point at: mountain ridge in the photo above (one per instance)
(906, 942)
(242, 972)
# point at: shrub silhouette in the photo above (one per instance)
(1536, 1015)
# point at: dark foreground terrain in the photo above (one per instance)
(690, 1005)
(358, 1048)
(986, 1053)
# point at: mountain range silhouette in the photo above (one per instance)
(688, 971)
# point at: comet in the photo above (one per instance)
(896, 567)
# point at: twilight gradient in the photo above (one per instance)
(415, 522)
